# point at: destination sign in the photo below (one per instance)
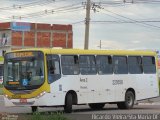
(23, 54)
(13, 82)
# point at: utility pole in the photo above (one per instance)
(100, 44)
(87, 22)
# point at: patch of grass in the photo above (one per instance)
(1, 85)
(46, 116)
(1, 91)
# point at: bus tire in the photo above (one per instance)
(34, 109)
(68, 103)
(129, 101)
(96, 106)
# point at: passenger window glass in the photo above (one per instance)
(120, 65)
(135, 65)
(70, 64)
(104, 64)
(53, 68)
(149, 64)
(87, 64)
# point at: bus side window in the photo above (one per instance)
(149, 64)
(70, 64)
(135, 65)
(53, 67)
(104, 64)
(87, 65)
(120, 64)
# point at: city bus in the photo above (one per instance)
(67, 77)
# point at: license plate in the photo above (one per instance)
(23, 100)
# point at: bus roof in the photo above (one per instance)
(91, 52)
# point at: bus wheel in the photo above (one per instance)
(96, 106)
(34, 109)
(129, 101)
(68, 103)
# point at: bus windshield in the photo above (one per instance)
(23, 70)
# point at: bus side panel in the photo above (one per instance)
(65, 84)
(103, 88)
(122, 82)
(51, 99)
(147, 86)
(89, 88)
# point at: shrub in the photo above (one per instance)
(48, 116)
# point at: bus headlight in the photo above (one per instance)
(41, 94)
(7, 96)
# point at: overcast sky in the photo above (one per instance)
(118, 25)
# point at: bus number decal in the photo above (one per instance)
(83, 87)
(117, 82)
(83, 80)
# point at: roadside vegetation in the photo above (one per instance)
(47, 116)
(1, 92)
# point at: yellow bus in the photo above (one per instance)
(67, 77)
